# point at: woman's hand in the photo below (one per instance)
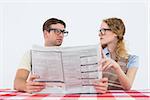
(107, 63)
(32, 86)
(101, 85)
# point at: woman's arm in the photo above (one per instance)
(101, 85)
(126, 80)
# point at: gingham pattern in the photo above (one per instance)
(110, 95)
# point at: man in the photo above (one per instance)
(54, 32)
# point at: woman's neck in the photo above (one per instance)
(111, 47)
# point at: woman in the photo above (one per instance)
(118, 67)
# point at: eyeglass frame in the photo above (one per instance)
(59, 31)
(103, 30)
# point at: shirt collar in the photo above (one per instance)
(106, 52)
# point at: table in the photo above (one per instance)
(110, 95)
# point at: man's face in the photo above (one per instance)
(55, 36)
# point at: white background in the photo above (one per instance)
(21, 27)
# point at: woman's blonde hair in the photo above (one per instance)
(117, 26)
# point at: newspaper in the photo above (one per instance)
(66, 69)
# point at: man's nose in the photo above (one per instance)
(61, 34)
(99, 34)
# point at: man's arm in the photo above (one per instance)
(22, 84)
(20, 79)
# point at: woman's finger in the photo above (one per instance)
(106, 65)
(104, 80)
(101, 51)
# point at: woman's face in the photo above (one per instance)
(106, 35)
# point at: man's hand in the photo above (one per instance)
(101, 85)
(32, 86)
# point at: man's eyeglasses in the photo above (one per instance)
(59, 31)
(103, 30)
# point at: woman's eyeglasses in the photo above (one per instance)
(103, 30)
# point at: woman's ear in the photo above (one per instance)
(115, 35)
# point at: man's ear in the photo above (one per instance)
(45, 33)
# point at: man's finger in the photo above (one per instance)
(32, 77)
(38, 83)
(36, 87)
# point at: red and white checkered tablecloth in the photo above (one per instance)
(110, 95)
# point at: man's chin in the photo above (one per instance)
(58, 44)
